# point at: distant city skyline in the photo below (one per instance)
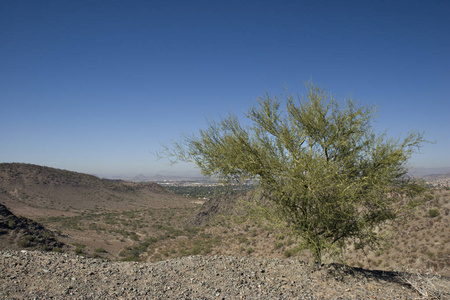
(97, 87)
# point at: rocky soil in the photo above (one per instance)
(48, 275)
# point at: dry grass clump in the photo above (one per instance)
(423, 284)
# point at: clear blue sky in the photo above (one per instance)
(97, 86)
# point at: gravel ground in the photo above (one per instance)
(38, 275)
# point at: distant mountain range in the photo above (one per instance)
(429, 173)
(426, 173)
(436, 176)
(157, 178)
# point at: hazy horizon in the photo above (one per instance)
(97, 87)
(196, 173)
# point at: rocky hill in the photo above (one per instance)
(32, 190)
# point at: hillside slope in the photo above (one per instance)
(32, 190)
(419, 239)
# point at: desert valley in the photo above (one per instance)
(51, 215)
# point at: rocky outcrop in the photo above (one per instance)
(19, 232)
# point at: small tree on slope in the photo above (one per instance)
(331, 178)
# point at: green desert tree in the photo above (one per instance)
(318, 161)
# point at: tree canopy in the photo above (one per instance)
(317, 159)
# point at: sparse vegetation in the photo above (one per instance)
(418, 240)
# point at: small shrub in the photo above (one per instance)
(291, 252)
(217, 240)
(278, 245)
(157, 257)
(26, 241)
(134, 236)
(434, 212)
(413, 203)
(11, 224)
(428, 197)
(290, 242)
(100, 250)
(288, 253)
(243, 240)
(205, 235)
(250, 250)
(79, 248)
(130, 258)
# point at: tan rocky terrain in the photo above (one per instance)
(37, 275)
(144, 222)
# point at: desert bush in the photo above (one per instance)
(131, 258)
(415, 202)
(288, 253)
(278, 245)
(434, 212)
(100, 250)
(26, 241)
(134, 236)
(243, 240)
(329, 177)
(79, 248)
(11, 224)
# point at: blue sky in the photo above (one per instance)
(97, 86)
